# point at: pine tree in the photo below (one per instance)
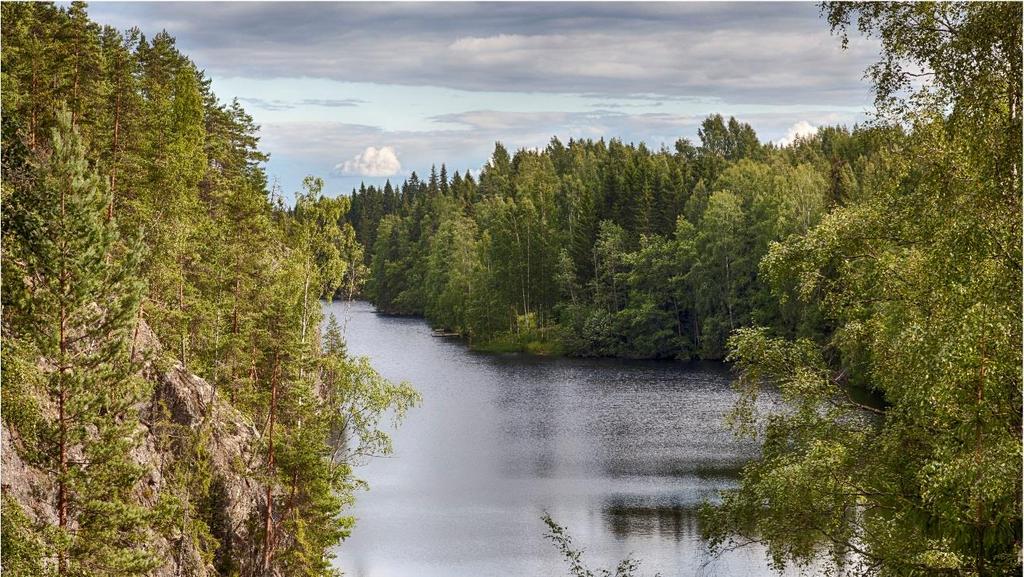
(123, 106)
(74, 297)
(82, 63)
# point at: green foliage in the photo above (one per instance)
(562, 541)
(347, 405)
(21, 546)
(73, 292)
(185, 510)
(920, 279)
(330, 240)
(452, 272)
(882, 262)
(363, 396)
(583, 238)
(227, 278)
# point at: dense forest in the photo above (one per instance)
(608, 249)
(883, 258)
(134, 200)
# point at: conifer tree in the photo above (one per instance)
(444, 183)
(74, 296)
(122, 110)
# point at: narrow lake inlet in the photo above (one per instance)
(620, 452)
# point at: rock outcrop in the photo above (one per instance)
(188, 403)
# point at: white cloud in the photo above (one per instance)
(801, 129)
(372, 162)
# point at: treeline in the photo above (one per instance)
(132, 195)
(603, 248)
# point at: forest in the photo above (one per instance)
(881, 260)
(597, 248)
(133, 200)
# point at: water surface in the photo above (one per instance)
(621, 452)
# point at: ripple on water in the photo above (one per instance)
(621, 452)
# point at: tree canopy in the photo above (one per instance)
(133, 196)
(920, 281)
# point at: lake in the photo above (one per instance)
(620, 452)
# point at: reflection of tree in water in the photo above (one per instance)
(626, 517)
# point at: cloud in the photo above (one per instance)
(372, 162)
(500, 119)
(265, 104)
(617, 105)
(332, 102)
(277, 104)
(738, 52)
(801, 129)
(586, 124)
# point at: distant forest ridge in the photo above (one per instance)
(607, 249)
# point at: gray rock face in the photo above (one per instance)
(191, 402)
(32, 489)
(183, 400)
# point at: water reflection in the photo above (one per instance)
(620, 452)
(626, 517)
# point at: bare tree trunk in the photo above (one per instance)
(113, 152)
(62, 468)
(62, 398)
(181, 309)
(268, 529)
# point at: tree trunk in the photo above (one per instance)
(268, 529)
(74, 89)
(113, 152)
(181, 310)
(979, 506)
(62, 421)
(33, 122)
(135, 333)
(234, 306)
(305, 317)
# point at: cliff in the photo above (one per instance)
(181, 409)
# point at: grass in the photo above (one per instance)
(531, 344)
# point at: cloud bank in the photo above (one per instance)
(739, 52)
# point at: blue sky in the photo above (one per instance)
(358, 92)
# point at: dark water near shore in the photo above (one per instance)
(620, 452)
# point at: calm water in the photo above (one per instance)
(620, 452)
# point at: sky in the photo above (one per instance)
(355, 92)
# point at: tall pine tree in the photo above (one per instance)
(73, 296)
